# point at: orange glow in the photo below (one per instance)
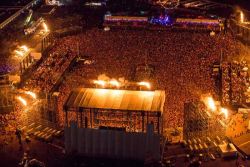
(101, 92)
(211, 104)
(241, 17)
(22, 50)
(148, 93)
(225, 112)
(32, 94)
(146, 84)
(45, 27)
(114, 83)
(117, 92)
(25, 48)
(22, 100)
(100, 82)
(19, 53)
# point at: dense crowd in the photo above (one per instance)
(52, 68)
(182, 63)
(235, 83)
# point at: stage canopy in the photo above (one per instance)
(112, 99)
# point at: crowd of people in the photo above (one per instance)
(238, 125)
(182, 63)
(235, 83)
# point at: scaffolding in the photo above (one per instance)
(201, 123)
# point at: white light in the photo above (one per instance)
(32, 94)
(45, 27)
(22, 100)
(114, 83)
(241, 17)
(146, 84)
(225, 112)
(25, 48)
(19, 53)
(100, 82)
(211, 103)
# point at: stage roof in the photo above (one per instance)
(113, 99)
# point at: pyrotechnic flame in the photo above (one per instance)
(22, 100)
(32, 94)
(211, 104)
(241, 17)
(103, 77)
(45, 27)
(19, 53)
(146, 84)
(100, 82)
(114, 83)
(25, 48)
(225, 112)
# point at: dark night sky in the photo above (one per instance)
(243, 3)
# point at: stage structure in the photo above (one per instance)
(47, 41)
(201, 123)
(22, 54)
(110, 123)
(126, 110)
(25, 62)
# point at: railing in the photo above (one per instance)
(15, 15)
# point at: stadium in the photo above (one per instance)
(144, 87)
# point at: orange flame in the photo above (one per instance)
(100, 82)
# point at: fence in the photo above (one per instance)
(112, 143)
